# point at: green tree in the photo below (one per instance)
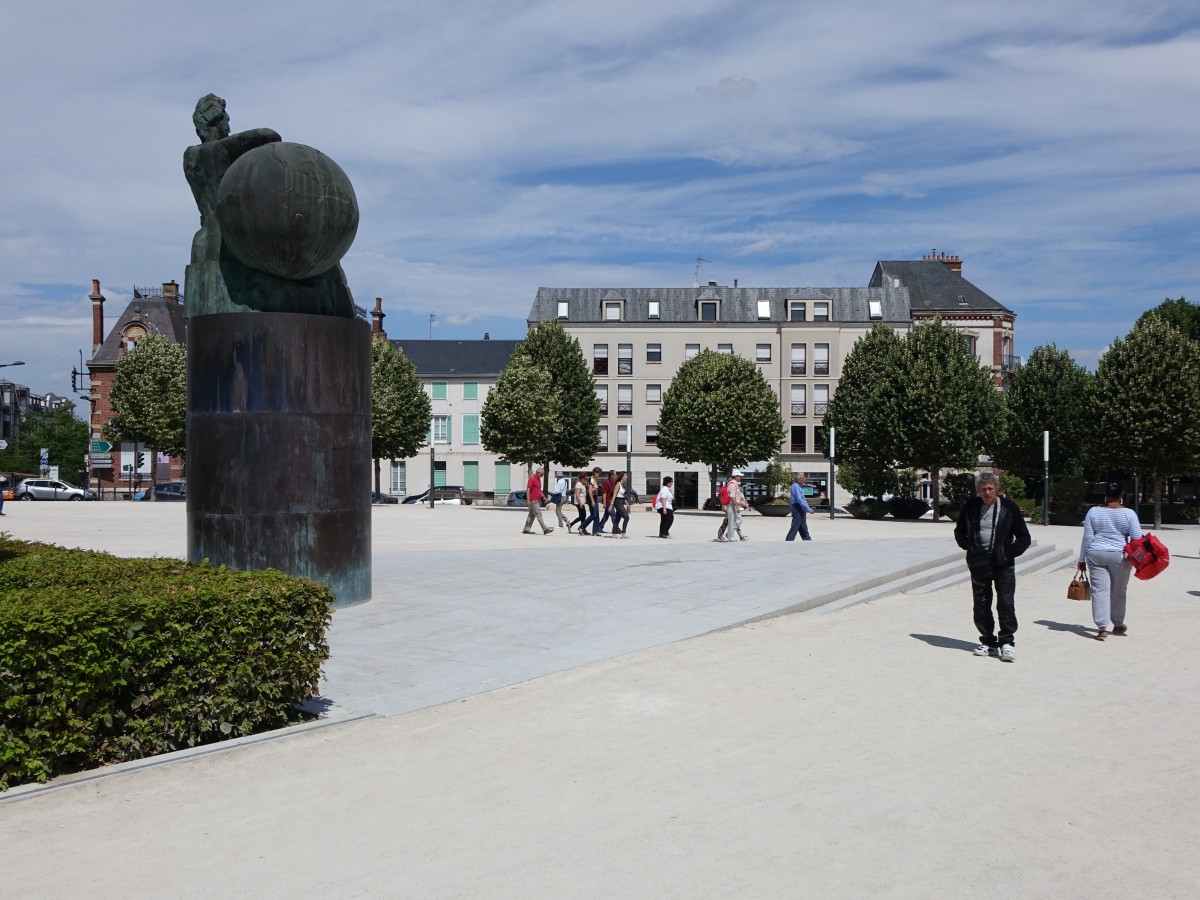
(865, 410)
(521, 416)
(1147, 396)
(400, 408)
(149, 399)
(719, 410)
(1049, 392)
(550, 348)
(951, 409)
(1183, 315)
(63, 435)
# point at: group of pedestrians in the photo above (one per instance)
(992, 531)
(597, 503)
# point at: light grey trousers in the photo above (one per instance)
(1109, 573)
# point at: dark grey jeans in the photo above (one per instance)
(985, 577)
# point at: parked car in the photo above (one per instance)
(50, 489)
(518, 498)
(377, 497)
(166, 490)
(450, 495)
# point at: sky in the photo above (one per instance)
(498, 147)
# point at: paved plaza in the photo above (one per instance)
(617, 732)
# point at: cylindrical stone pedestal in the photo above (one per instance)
(279, 446)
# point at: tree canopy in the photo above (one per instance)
(1183, 315)
(63, 435)
(400, 408)
(521, 416)
(1147, 395)
(149, 397)
(576, 435)
(721, 411)
(1049, 392)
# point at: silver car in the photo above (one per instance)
(50, 489)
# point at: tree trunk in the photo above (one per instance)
(376, 461)
(935, 490)
(1156, 486)
(153, 475)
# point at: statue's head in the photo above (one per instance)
(210, 118)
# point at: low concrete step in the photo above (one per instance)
(1035, 556)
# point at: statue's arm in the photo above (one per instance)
(245, 141)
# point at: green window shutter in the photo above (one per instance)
(449, 429)
(439, 390)
(470, 433)
(470, 390)
(502, 478)
(470, 476)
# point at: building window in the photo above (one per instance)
(764, 309)
(603, 448)
(799, 439)
(652, 309)
(875, 308)
(819, 443)
(799, 359)
(612, 310)
(622, 438)
(600, 359)
(654, 353)
(651, 435)
(562, 309)
(470, 390)
(399, 481)
(653, 483)
(624, 399)
(797, 310)
(725, 348)
(820, 312)
(602, 396)
(691, 351)
(762, 353)
(972, 343)
(654, 393)
(470, 433)
(438, 390)
(439, 474)
(708, 310)
(624, 359)
(799, 400)
(439, 430)
(820, 359)
(820, 399)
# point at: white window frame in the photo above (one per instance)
(612, 310)
(821, 311)
(652, 309)
(713, 305)
(762, 353)
(691, 351)
(798, 306)
(727, 349)
(654, 393)
(655, 349)
(764, 309)
(563, 308)
(440, 435)
(398, 481)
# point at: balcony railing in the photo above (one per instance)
(1009, 363)
(798, 409)
(798, 368)
(603, 448)
(603, 408)
(622, 448)
(819, 408)
(821, 368)
(599, 366)
(799, 447)
(624, 409)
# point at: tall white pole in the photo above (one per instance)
(1045, 478)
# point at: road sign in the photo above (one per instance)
(45, 455)
(101, 446)
(101, 461)
(3, 445)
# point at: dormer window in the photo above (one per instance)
(820, 312)
(875, 308)
(962, 300)
(707, 310)
(562, 309)
(764, 309)
(612, 310)
(797, 310)
(652, 309)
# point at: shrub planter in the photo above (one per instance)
(908, 509)
(774, 509)
(867, 509)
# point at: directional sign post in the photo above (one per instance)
(101, 446)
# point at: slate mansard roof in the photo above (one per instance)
(932, 287)
(158, 315)
(457, 359)
(738, 304)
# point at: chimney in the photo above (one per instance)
(171, 291)
(97, 315)
(377, 315)
(953, 263)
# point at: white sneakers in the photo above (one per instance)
(1006, 654)
(985, 650)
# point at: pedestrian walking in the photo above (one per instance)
(594, 494)
(3, 488)
(665, 502)
(559, 497)
(581, 503)
(620, 507)
(1106, 531)
(800, 510)
(733, 512)
(992, 530)
(533, 491)
(606, 500)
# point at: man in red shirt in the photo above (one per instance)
(533, 491)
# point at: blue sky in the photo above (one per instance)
(496, 148)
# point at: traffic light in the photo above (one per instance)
(141, 461)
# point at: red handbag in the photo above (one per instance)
(1148, 555)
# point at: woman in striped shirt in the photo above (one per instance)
(1106, 531)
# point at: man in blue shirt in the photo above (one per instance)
(800, 511)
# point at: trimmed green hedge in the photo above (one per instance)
(104, 659)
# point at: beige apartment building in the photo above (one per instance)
(636, 338)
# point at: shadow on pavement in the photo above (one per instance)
(936, 640)
(1081, 630)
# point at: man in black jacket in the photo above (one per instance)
(992, 530)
